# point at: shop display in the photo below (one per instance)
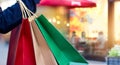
(113, 57)
(114, 52)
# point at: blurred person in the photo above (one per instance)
(82, 44)
(73, 38)
(83, 39)
(101, 40)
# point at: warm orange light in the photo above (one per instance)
(54, 20)
(58, 22)
(67, 24)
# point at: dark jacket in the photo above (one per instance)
(12, 16)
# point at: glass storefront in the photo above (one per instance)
(92, 21)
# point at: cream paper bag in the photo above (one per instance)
(43, 54)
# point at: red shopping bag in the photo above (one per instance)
(21, 51)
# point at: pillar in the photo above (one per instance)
(111, 37)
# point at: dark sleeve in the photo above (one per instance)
(36, 1)
(12, 16)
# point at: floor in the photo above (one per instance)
(4, 51)
(96, 62)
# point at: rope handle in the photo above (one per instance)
(26, 13)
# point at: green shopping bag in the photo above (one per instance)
(63, 51)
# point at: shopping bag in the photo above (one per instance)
(21, 51)
(60, 47)
(42, 52)
(13, 45)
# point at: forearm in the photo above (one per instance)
(12, 16)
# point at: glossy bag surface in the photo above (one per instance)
(21, 51)
(60, 47)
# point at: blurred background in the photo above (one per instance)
(93, 31)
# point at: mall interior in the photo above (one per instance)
(93, 31)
